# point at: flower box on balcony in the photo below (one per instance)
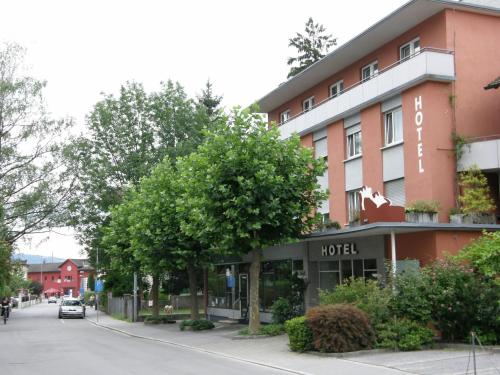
(476, 218)
(421, 217)
(422, 212)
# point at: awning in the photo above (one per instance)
(381, 228)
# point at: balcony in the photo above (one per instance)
(429, 64)
(483, 153)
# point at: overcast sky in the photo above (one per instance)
(85, 48)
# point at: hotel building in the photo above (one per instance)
(385, 110)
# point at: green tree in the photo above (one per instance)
(311, 46)
(35, 287)
(32, 192)
(484, 254)
(210, 101)
(246, 190)
(476, 196)
(91, 282)
(155, 227)
(127, 136)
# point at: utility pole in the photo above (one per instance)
(134, 315)
(97, 278)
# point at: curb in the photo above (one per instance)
(206, 351)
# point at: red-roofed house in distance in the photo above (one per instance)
(67, 278)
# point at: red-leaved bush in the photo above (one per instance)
(340, 328)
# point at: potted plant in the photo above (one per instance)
(476, 204)
(422, 212)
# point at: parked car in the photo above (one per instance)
(71, 307)
(52, 300)
(14, 302)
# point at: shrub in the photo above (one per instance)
(423, 206)
(282, 310)
(196, 325)
(340, 328)
(411, 300)
(403, 334)
(299, 334)
(267, 329)
(365, 295)
(484, 254)
(454, 297)
(272, 329)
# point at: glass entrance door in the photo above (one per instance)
(243, 295)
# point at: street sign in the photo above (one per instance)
(99, 286)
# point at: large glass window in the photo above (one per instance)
(219, 293)
(354, 144)
(332, 273)
(275, 282)
(393, 126)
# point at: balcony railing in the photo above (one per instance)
(427, 64)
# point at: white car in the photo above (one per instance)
(71, 307)
(52, 300)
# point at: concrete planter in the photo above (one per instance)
(472, 218)
(421, 217)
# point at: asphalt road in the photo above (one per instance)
(35, 341)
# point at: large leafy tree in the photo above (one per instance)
(127, 136)
(246, 190)
(311, 46)
(32, 192)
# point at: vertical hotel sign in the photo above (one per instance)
(419, 120)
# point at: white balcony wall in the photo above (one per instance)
(484, 154)
(428, 65)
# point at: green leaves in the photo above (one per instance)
(311, 47)
(33, 191)
(245, 188)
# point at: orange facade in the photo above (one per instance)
(432, 111)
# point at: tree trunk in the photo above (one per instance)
(193, 291)
(205, 291)
(155, 291)
(254, 321)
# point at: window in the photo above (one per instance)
(332, 273)
(409, 49)
(395, 192)
(369, 71)
(354, 144)
(336, 89)
(308, 104)
(393, 126)
(353, 205)
(284, 116)
(329, 275)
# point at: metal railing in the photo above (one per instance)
(360, 82)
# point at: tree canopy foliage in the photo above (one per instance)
(33, 193)
(311, 46)
(127, 136)
(245, 190)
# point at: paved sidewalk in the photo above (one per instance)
(274, 352)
